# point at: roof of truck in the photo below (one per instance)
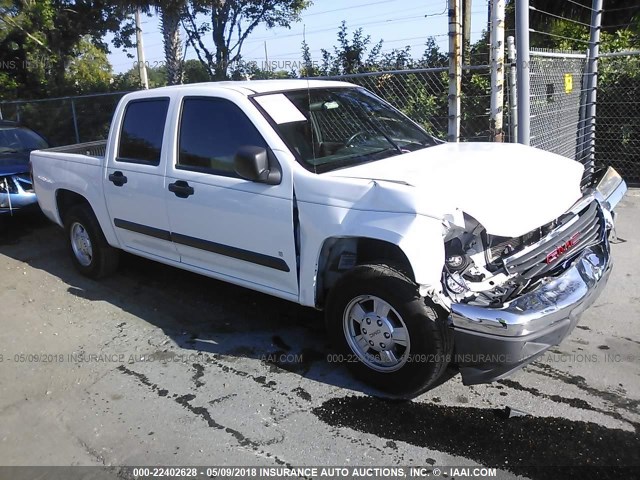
(249, 87)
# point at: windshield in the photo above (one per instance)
(333, 128)
(20, 140)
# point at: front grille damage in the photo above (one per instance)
(570, 235)
(489, 270)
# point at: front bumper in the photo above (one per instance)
(493, 342)
(490, 343)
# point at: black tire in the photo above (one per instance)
(104, 258)
(430, 340)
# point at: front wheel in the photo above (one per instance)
(398, 341)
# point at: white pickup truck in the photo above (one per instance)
(423, 254)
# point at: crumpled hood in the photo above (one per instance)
(509, 188)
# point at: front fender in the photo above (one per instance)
(418, 236)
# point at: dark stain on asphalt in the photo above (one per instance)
(203, 413)
(624, 403)
(574, 402)
(302, 393)
(198, 375)
(584, 327)
(535, 447)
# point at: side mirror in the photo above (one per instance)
(252, 163)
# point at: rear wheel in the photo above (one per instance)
(91, 254)
(389, 336)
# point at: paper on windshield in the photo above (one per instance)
(280, 108)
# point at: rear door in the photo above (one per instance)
(135, 182)
(238, 229)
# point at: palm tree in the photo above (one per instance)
(170, 13)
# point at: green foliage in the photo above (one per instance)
(39, 40)
(195, 72)
(130, 80)
(229, 23)
(89, 71)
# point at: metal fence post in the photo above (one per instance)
(75, 120)
(497, 69)
(18, 112)
(455, 70)
(592, 78)
(522, 68)
(513, 89)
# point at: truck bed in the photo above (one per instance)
(90, 149)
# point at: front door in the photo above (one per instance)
(241, 231)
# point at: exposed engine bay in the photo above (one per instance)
(484, 269)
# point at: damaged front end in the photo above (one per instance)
(513, 298)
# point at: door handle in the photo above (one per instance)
(118, 179)
(181, 189)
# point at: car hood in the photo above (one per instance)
(509, 188)
(13, 162)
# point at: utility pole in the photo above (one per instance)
(497, 69)
(455, 70)
(142, 65)
(522, 69)
(466, 31)
(592, 79)
(513, 92)
(266, 57)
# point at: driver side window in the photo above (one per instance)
(211, 132)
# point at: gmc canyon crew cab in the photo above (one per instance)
(421, 253)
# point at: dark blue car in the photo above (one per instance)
(16, 189)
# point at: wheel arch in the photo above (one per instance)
(340, 254)
(67, 199)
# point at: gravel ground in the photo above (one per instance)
(156, 366)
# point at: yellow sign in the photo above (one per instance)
(568, 83)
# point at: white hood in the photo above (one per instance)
(509, 188)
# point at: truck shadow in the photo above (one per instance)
(199, 314)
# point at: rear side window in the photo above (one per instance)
(211, 131)
(142, 131)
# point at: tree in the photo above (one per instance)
(38, 40)
(171, 13)
(349, 56)
(89, 70)
(559, 19)
(195, 72)
(230, 22)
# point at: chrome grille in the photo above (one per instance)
(585, 228)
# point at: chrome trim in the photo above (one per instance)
(512, 262)
(614, 198)
(558, 298)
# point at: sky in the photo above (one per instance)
(398, 23)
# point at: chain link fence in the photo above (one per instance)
(618, 114)
(422, 94)
(68, 120)
(558, 104)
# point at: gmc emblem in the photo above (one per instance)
(564, 248)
